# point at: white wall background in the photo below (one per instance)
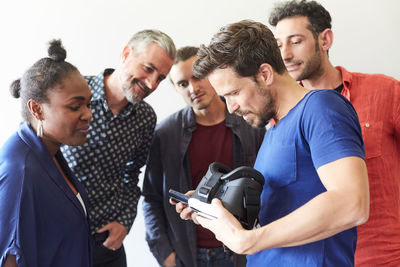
(367, 39)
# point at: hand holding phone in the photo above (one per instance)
(202, 208)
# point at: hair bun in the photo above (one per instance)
(56, 51)
(15, 88)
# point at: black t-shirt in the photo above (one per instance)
(339, 88)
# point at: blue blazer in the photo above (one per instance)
(42, 222)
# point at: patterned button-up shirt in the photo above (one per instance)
(109, 163)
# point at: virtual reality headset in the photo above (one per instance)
(239, 191)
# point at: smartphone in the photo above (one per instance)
(178, 196)
(202, 208)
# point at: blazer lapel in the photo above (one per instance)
(47, 163)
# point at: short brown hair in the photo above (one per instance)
(184, 53)
(243, 46)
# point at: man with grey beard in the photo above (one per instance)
(118, 141)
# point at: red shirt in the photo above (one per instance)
(376, 98)
(209, 144)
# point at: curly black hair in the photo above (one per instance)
(317, 15)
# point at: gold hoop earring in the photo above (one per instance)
(39, 129)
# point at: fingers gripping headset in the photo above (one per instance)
(239, 191)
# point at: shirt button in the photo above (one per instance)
(367, 125)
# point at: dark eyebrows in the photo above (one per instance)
(81, 98)
(181, 81)
(188, 81)
(294, 35)
(291, 36)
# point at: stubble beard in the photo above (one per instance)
(130, 92)
(269, 110)
(312, 68)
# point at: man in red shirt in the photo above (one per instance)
(304, 36)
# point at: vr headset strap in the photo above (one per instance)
(209, 187)
(252, 205)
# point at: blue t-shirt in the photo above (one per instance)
(321, 128)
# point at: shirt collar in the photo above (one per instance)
(97, 85)
(99, 92)
(346, 80)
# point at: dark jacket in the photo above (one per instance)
(168, 168)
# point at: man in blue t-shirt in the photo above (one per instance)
(312, 157)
